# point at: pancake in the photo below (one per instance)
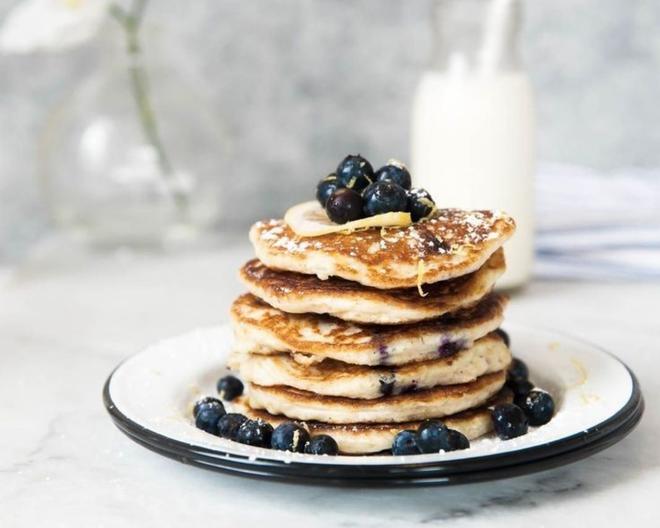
(451, 244)
(418, 405)
(299, 293)
(333, 378)
(360, 438)
(262, 329)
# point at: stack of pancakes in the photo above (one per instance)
(361, 335)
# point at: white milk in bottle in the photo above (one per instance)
(473, 125)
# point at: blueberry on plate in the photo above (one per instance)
(344, 205)
(509, 421)
(405, 443)
(255, 433)
(208, 416)
(420, 204)
(520, 387)
(538, 406)
(229, 424)
(428, 436)
(396, 172)
(505, 337)
(322, 445)
(229, 388)
(355, 172)
(384, 197)
(453, 440)
(433, 437)
(205, 402)
(289, 437)
(518, 371)
(325, 188)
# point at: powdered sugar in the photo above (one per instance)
(445, 233)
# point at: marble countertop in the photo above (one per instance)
(65, 324)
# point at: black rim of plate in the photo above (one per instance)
(477, 469)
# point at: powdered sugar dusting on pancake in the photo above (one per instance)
(452, 243)
(446, 232)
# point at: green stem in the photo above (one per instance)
(130, 21)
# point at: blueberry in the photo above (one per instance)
(325, 188)
(229, 424)
(322, 445)
(289, 437)
(205, 402)
(453, 440)
(344, 205)
(538, 406)
(208, 416)
(428, 436)
(396, 172)
(229, 388)
(355, 172)
(420, 204)
(505, 337)
(518, 371)
(405, 443)
(433, 437)
(384, 197)
(520, 387)
(256, 433)
(509, 421)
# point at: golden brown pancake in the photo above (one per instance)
(450, 244)
(417, 405)
(360, 438)
(262, 329)
(299, 293)
(334, 378)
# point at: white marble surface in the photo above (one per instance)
(64, 326)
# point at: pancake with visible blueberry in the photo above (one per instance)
(416, 405)
(364, 439)
(451, 243)
(299, 293)
(334, 378)
(259, 328)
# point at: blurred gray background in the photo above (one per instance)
(297, 84)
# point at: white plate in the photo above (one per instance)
(150, 397)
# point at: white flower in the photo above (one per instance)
(51, 25)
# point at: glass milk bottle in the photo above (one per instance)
(473, 120)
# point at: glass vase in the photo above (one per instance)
(133, 156)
